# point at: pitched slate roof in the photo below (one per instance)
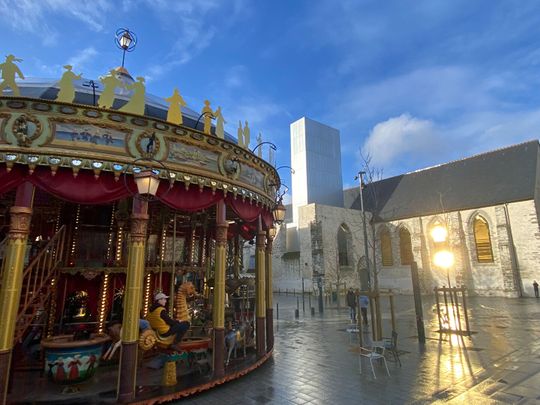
(496, 177)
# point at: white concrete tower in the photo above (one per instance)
(316, 160)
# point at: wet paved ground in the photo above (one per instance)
(316, 360)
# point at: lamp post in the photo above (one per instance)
(443, 257)
(360, 178)
(319, 280)
(94, 86)
(125, 40)
(147, 182)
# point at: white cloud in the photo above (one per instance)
(397, 137)
(235, 76)
(431, 91)
(33, 16)
(406, 141)
(79, 60)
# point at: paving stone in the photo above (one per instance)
(316, 361)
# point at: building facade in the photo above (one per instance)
(488, 203)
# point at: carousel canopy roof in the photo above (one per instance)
(156, 107)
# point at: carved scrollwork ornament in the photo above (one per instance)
(260, 240)
(148, 144)
(221, 234)
(26, 128)
(139, 223)
(20, 222)
(229, 165)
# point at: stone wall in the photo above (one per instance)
(515, 241)
(317, 234)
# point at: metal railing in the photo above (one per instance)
(37, 278)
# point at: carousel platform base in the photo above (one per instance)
(32, 387)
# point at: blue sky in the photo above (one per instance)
(412, 83)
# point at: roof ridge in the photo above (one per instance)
(472, 156)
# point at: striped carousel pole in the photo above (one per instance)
(260, 307)
(132, 302)
(218, 307)
(12, 278)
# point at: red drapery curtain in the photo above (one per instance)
(10, 180)
(85, 188)
(192, 199)
(246, 211)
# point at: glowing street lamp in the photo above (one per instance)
(443, 257)
(126, 41)
(279, 212)
(147, 182)
(439, 234)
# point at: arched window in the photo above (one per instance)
(405, 247)
(343, 242)
(386, 248)
(484, 252)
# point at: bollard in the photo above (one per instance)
(297, 304)
(277, 310)
(296, 313)
(312, 311)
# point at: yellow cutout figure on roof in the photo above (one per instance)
(136, 103)
(220, 123)
(110, 82)
(259, 141)
(240, 133)
(247, 136)
(9, 70)
(67, 89)
(208, 115)
(174, 115)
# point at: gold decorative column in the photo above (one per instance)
(237, 252)
(218, 307)
(12, 277)
(260, 307)
(269, 302)
(132, 301)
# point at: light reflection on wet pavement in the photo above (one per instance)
(316, 360)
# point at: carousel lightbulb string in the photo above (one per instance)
(103, 303)
(76, 232)
(147, 284)
(111, 232)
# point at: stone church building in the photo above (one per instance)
(489, 203)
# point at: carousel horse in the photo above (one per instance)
(150, 338)
(235, 337)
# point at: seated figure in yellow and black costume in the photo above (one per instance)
(163, 324)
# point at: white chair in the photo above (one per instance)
(375, 353)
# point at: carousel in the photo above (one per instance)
(123, 219)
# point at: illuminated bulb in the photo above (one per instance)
(439, 233)
(444, 259)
